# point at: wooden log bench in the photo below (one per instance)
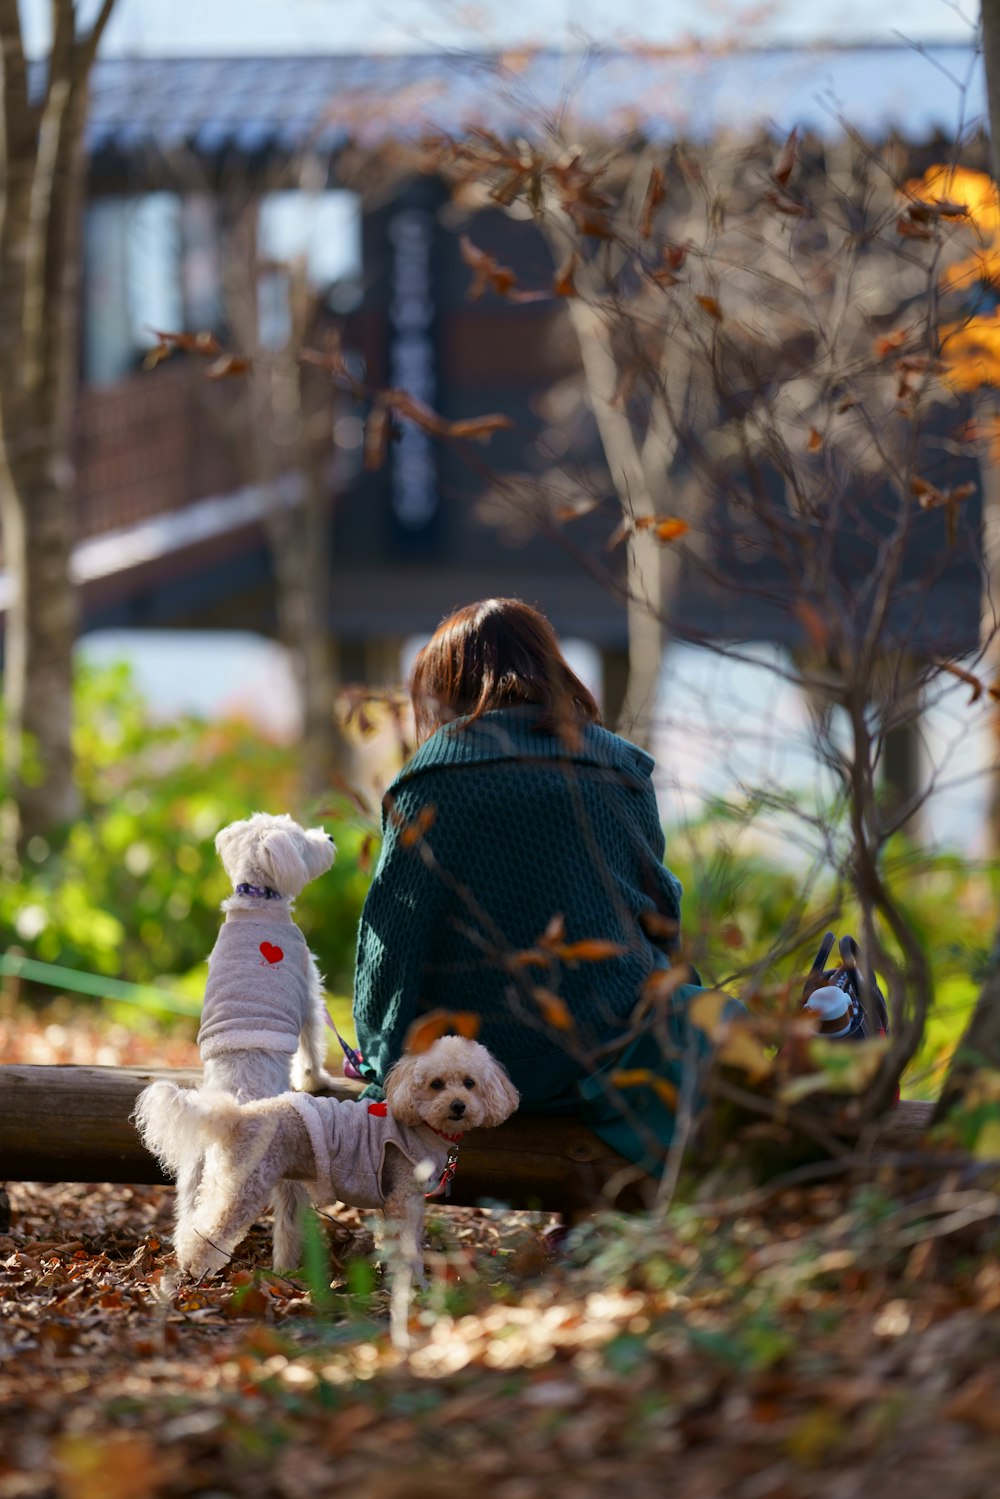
(71, 1124)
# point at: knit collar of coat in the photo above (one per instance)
(510, 734)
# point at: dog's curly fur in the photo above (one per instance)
(271, 852)
(252, 1149)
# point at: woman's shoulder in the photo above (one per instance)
(512, 735)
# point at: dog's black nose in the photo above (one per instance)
(457, 1109)
(329, 837)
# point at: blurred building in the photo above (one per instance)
(170, 508)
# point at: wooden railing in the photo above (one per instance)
(149, 445)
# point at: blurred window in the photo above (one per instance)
(133, 285)
(324, 229)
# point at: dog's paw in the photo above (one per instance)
(317, 1082)
(209, 1262)
(198, 1255)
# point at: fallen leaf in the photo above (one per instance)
(812, 622)
(890, 342)
(554, 1009)
(437, 1023)
(226, 366)
(642, 1077)
(564, 284)
(658, 928)
(788, 206)
(156, 355)
(479, 428)
(412, 832)
(976, 683)
(782, 169)
(487, 272)
(656, 192)
(113, 1467)
(911, 230)
(378, 426)
(707, 1010)
(555, 931)
(589, 950)
(739, 1046)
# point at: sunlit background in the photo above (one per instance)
(151, 262)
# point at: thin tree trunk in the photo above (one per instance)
(298, 527)
(986, 408)
(41, 626)
(651, 574)
(42, 154)
(980, 1045)
(299, 539)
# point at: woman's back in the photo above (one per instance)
(520, 828)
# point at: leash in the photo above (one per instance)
(356, 1066)
(443, 1187)
(354, 1063)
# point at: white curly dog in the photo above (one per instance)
(384, 1155)
(263, 1017)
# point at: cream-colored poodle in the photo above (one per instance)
(263, 1016)
(388, 1155)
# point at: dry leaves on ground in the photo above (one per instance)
(814, 1343)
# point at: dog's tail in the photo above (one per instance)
(177, 1124)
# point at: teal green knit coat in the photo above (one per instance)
(519, 829)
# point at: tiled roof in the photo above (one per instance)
(247, 104)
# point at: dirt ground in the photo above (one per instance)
(830, 1341)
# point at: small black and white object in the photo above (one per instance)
(838, 1004)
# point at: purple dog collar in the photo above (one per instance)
(262, 892)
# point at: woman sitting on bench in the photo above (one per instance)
(521, 878)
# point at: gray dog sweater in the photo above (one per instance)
(257, 995)
(349, 1141)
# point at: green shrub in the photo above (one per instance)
(134, 887)
(737, 905)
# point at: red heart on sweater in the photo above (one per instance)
(379, 1109)
(272, 954)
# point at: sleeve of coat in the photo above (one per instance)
(395, 935)
(662, 886)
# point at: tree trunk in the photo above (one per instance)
(43, 172)
(41, 625)
(285, 440)
(646, 582)
(637, 719)
(980, 1045)
(299, 539)
(529, 1160)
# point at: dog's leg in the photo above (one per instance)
(226, 1211)
(189, 1175)
(309, 1074)
(258, 1146)
(403, 1241)
(289, 1200)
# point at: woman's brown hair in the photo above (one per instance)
(496, 654)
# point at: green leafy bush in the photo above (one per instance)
(738, 905)
(134, 888)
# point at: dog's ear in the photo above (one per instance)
(500, 1097)
(226, 840)
(400, 1094)
(282, 861)
(318, 850)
